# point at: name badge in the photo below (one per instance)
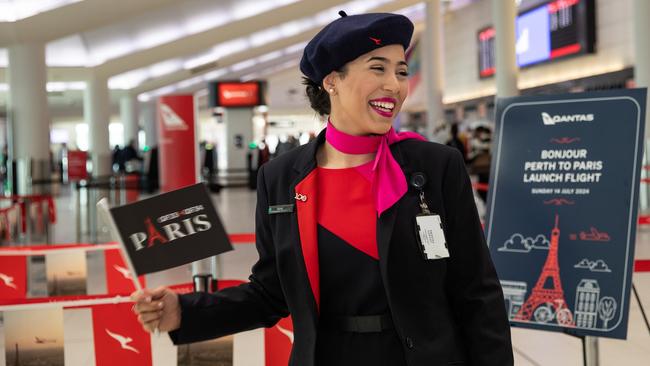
(432, 237)
(280, 209)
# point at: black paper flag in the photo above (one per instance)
(171, 229)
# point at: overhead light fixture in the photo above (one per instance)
(214, 74)
(57, 86)
(144, 97)
(165, 67)
(269, 56)
(11, 11)
(242, 65)
(190, 82)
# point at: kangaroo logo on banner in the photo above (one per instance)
(278, 341)
(119, 338)
(13, 277)
(118, 277)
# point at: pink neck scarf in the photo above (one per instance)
(388, 181)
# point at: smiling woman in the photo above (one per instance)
(372, 271)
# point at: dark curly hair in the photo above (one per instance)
(319, 98)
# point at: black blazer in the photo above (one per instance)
(446, 311)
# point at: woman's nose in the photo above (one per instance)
(391, 83)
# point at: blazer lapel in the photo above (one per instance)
(386, 222)
(303, 193)
(305, 196)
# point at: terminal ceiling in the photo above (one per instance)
(154, 47)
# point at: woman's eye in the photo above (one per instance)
(378, 68)
(403, 73)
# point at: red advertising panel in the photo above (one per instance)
(77, 165)
(278, 341)
(178, 143)
(13, 277)
(238, 94)
(118, 277)
(119, 338)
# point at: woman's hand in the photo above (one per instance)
(157, 310)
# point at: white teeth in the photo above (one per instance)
(385, 105)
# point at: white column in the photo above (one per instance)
(642, 51)
(504, 13)
(433, 59)
(149, 122)
(642, 80)
(97, 116)
(238, 123)
(129, 117)
(28, 111)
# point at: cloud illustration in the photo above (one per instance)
(516, 243)
(540, 242)
(600, 266)
(585, 263)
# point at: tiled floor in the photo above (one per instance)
(532, 348)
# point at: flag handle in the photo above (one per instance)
(103, 207)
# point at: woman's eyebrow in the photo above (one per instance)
(385, 60)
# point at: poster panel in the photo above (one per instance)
(178, 145)
(562, 208)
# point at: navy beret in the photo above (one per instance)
(349, 37)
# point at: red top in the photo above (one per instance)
(346, 206)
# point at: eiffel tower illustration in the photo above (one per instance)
(548, 304)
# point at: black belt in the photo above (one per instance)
(357, 324)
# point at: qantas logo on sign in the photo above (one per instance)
(8, 281)
(171, 120)
(124, 341)
(552, 120)
(189, 225)
(228, 94)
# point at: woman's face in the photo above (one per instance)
(369, 93)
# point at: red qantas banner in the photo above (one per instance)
(118, 277)
(278, 341)
(77, 165)
(13, 277)
(119, 338)
(178, 143)
(239, 94)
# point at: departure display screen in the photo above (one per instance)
(554, 30)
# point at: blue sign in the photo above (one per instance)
(562, 208)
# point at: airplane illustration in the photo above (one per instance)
(287, 333)
(594, 235)
(8, 281)
(73, 273)
(43, 340)
(122, 340)
(125, 272)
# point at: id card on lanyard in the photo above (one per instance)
(429, 229)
